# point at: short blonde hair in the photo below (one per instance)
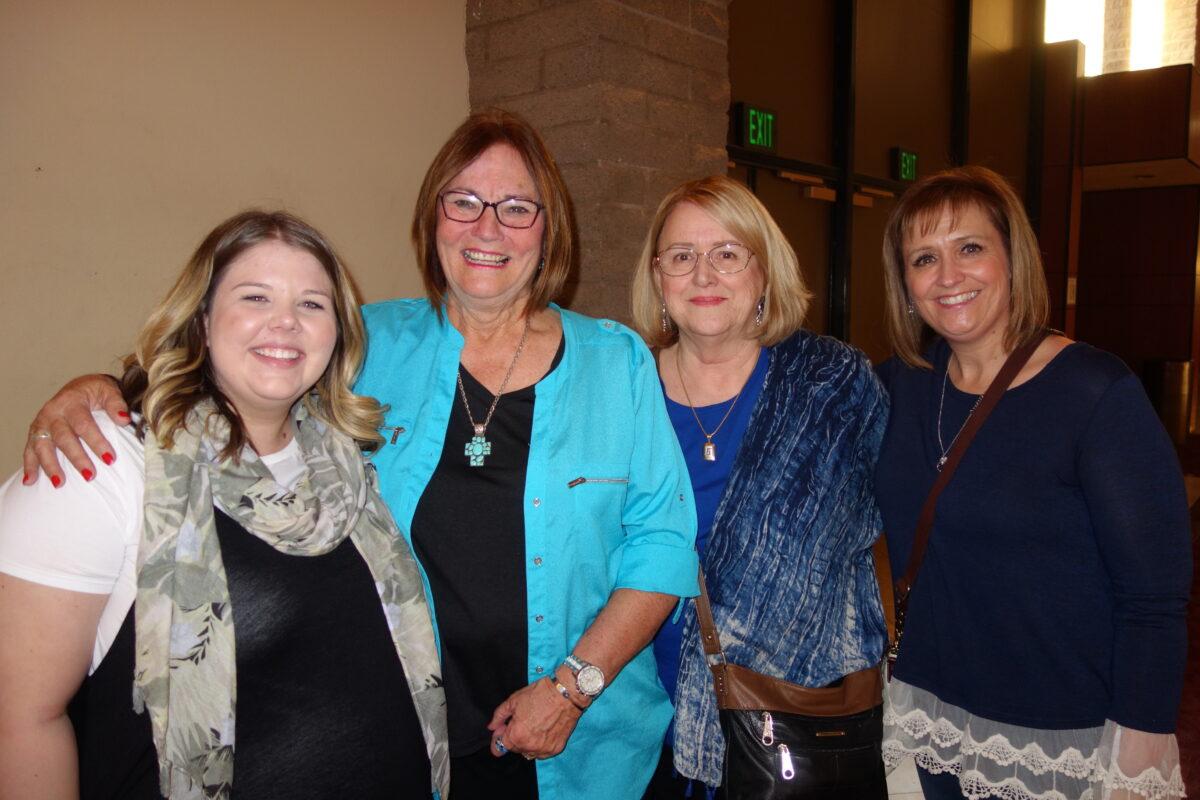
(170, 371)
(476, 134)
(735, 208)
(921, 209)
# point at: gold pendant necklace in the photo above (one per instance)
(710, 449)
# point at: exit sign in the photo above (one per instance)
(904, 164)
(754, 127)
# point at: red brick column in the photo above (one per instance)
(632, 97)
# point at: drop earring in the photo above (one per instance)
(762, 307)
(666, 320)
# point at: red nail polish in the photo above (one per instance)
(124, 414)
(108, 458)
(25, 478)
(56, 480)
(88, 474)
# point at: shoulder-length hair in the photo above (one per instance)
(735, 208)
(476, 134)
(170, 370)
(920, 210)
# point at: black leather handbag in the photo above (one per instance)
(781, 755)
(792, 742)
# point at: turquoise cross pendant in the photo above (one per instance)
(477, 448)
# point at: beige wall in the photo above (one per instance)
(128, 129)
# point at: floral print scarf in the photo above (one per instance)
(184, 673)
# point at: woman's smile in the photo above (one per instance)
(278, 355)
(958, 299)
(485, 259)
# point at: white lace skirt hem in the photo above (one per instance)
(993, 759)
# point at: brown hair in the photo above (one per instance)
(731, 204)
(169, 371)
(921, 209)
(476, 134)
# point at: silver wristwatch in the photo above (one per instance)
(589, 679)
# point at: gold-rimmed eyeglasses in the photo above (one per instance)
(726, 258)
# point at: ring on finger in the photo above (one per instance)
(33, 437)
(500, 748)
(527, 756)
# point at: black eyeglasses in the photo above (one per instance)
(511, 213)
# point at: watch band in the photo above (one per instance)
(589, 679)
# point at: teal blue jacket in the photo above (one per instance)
(598, 415)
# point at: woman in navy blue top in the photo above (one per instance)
(780, 429)
(1044, 646)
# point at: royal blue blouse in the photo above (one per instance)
(708, 485)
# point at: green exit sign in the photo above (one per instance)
(904, 164)
(755, 127)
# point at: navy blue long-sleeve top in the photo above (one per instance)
(1054, 590)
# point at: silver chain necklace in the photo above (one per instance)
(479, 447)
(710, 449)
(941, 462)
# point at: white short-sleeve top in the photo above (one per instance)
(84, 536)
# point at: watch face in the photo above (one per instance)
(590, 680)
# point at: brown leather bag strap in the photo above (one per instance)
(708, 627)
(996, 389)
(741, 688)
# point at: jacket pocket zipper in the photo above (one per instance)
(582, 480)
(396, 431)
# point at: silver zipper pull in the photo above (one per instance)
(786, 769)
(576, 482)
(768, 734)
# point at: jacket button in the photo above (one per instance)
(537, 561)
(538, 618)
(539, 669)
(537, 502)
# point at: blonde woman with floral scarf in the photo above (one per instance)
(235, 573)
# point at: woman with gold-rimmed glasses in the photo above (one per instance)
(779, 428)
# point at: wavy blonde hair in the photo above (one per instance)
(921, 210)
(169, 371)
(735, 208)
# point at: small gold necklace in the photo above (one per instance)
(710, 449)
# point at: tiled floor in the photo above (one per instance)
(903, 783)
